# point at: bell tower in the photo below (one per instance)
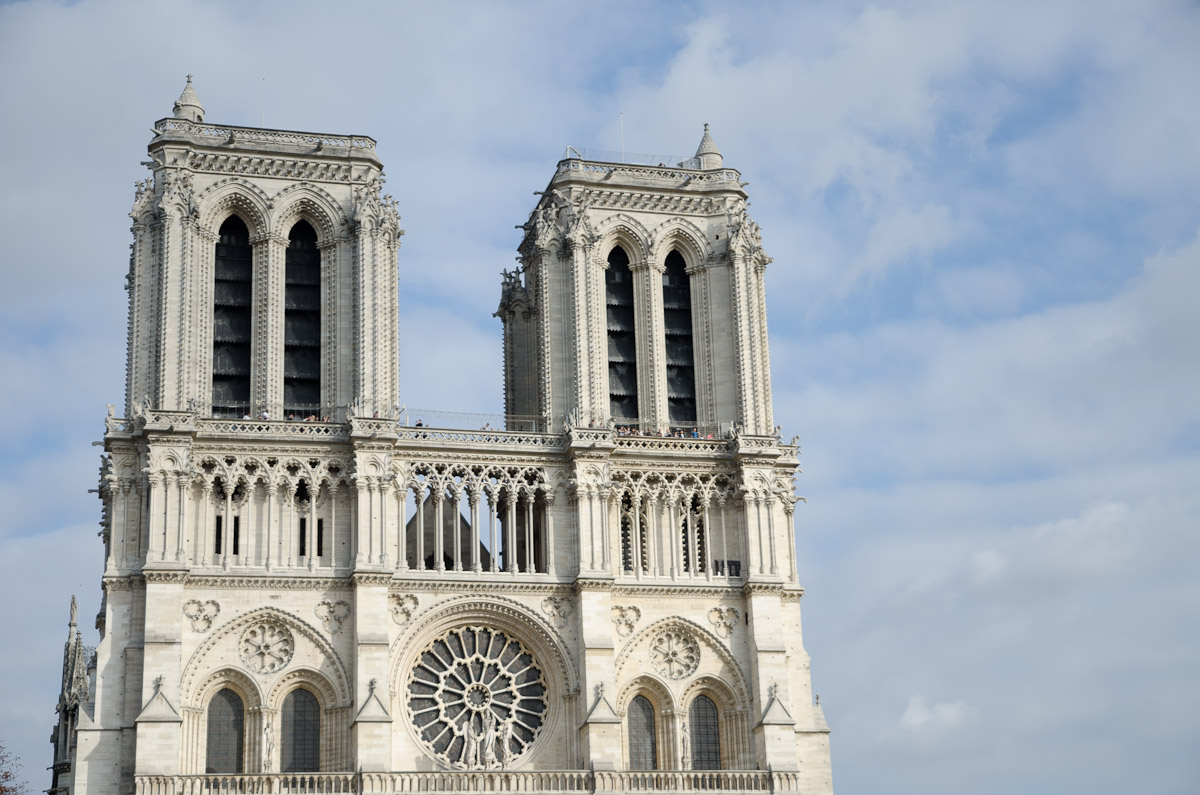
(639, 299)
(262, 274)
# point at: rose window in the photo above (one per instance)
(675, 653)
(477, 698)
(266, 647)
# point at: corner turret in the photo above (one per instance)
(707, 153)
(188, 105)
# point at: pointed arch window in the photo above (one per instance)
(643, 750)
(634, 552)
(704, 730)
(692, 534)
(677, 324)
(226, 733)
(301, 733)
(232, 289)
(302, 323)
(622, 343)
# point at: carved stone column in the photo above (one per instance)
(473, 502)
(551, 550)
(269, 553)
(651, 344)
(439, 551)
(267, 324)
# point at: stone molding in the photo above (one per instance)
(260, 583)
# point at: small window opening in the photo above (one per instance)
(622, 342)
(302, 324)
(217, 542)
(232, 292)
(320, 537)
(303, 537)
(677, 323)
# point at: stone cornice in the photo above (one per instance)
(162, 576)
(256, 582)
(763, 587)
(118, 583)
(715, 591)
(277, 167)
(402, 583)
(371, 578)
(593, 584)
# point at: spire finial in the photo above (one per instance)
(708, 153)
(188, 105)
(73, 608)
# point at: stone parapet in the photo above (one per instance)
(474, 781)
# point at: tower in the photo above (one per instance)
(263, 273)
(640, 300)
(304, 593)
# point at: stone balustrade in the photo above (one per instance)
(260, 135)
(475, 781)
(408, 435)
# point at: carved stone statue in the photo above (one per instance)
(488, 741)
(470, 756)
(268, 746)
(504, 741)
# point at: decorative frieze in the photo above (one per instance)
(258, 166)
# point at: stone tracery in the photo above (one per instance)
(267, 646)
(477, 697)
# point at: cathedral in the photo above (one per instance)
(306, 590)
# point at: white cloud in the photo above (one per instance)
(943, 715)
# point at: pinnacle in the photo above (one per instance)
(707, 153)
(707, 145)
(188, 105)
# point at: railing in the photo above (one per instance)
(281, 784)
(324, 430)
(682, 780)
(702, 439)
(422, 433)
(552, 781)
(484, 422)
(475, 781)
(629, 158)
(260, 135)
(683, 171)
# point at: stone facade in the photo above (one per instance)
(470, 610)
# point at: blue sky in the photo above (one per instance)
(986, 230)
